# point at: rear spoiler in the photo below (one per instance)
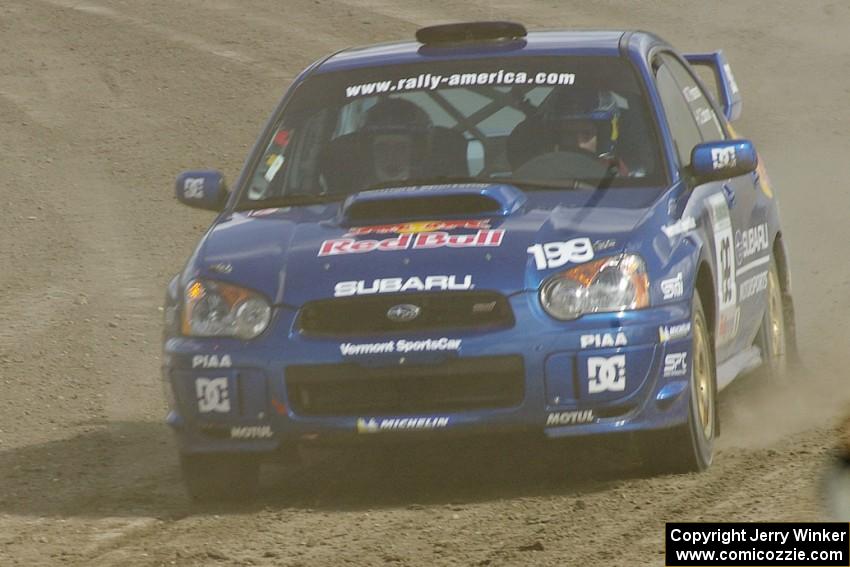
(728, 95)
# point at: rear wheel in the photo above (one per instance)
(220, 477)
(773, 335)
(690, 447)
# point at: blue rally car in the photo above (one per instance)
(482, 231)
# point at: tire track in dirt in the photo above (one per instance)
(72, 353)
(111, 253)
(190, 40)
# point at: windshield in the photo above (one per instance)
(575, 122)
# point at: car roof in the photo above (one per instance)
(540, 43)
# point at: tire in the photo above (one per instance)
(835, 487)
(220, 477)
(690, 447)
(773, 338)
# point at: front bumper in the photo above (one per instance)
(602, 373)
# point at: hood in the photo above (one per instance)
(416, 239)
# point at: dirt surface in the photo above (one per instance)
(103, 102)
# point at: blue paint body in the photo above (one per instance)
(673, 228)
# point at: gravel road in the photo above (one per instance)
(103, 102)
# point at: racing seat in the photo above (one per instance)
(448, 153)
(525, 141)
(346, 162)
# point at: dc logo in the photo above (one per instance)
(606, 374)
(193, 188)
(722, 158)
(212, 395)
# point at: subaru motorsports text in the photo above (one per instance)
(485, 230)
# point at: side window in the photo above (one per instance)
(707, 120)
(684, 129)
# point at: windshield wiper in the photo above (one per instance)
(289, 201)
(546, 184)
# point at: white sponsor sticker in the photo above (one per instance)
(400, 346)
(429, 81)
(421, 188)
(395, 285)
(265, 212)
(751, 241)
(673, 288)
(274, 167)
(378, 425)
(570, 417)
(193, 188)
(212, 395)
(703, 115)
(211, 361)
(359, 349)
(727, 293)
(681, 226)
(606, 374)
(600, 245)
(692, 94)
(731, 78)
(602, 340)
(673, 332)
(723, 158)
(727, 325)
(557, 254)
(752, 286)
(675, 364)
(251, 432)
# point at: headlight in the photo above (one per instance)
(617, 283)
(215, 309)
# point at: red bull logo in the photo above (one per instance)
(439, 239)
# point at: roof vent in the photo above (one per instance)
(470, 31)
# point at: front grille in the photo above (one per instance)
(441, 310)
(456, 385)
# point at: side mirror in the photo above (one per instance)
(713, 161)
(202, 189)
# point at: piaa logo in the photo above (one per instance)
(211, 361)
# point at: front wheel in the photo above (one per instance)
(690, 447)
(220, 477)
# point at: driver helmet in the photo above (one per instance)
(582, 119)
(397, 132)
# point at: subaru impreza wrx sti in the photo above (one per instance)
(485, 230)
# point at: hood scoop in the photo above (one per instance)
(431, 201)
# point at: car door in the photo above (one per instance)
(730, 203)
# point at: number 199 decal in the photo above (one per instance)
(556, 254)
